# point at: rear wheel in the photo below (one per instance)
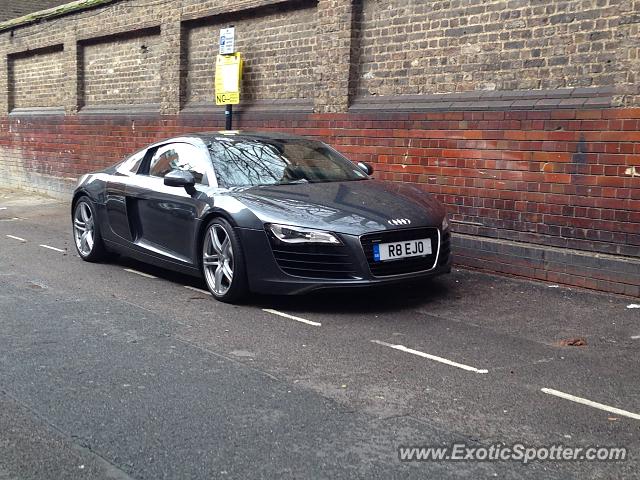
(86, 231)
(223, 264)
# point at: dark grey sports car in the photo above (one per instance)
(260, 212)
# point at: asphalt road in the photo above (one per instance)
(124, 371)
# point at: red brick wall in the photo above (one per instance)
(559, 178)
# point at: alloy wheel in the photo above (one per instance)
(84, 229)
(217, 259)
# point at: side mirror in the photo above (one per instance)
(368, 169)
(180, 178)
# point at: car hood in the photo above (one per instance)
(354, 207)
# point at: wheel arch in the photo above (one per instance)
(76, 197)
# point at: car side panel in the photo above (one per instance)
(116, 207)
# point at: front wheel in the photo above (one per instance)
(86, 231)
(223, 263)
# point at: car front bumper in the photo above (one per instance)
(267, 276)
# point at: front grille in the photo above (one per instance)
(405, 265)
(313, 261)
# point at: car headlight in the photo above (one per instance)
(291, 234)
(445, 222)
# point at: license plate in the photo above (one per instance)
(398, 250)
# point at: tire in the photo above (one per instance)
(223, 263)
(86, 231)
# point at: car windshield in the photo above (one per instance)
(249, 162)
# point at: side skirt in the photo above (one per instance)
(152, 259)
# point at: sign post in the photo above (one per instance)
(228, 74)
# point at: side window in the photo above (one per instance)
(163, 160)
(179, 156)
(136, 161)
(131, 164)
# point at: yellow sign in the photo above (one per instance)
(227, 98)
(228, 79)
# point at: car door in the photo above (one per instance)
(164, 219)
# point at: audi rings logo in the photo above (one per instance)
(399, 221)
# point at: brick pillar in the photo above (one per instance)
(335, 18)
(73, 69)
(627, 33)
(170, 61)
(4, 85)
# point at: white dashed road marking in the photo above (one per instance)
(3, 208)
(20, 239)
(199, 290)
(589, 403)
(142, 274)
(53, 248)
(402, 348)
(291, 317)
(435, 358)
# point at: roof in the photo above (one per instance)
(208, 137)
(241, 134)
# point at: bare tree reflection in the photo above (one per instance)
(249, 162)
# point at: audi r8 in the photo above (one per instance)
(260, 212)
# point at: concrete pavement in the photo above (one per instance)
(117, 370)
